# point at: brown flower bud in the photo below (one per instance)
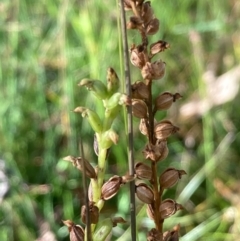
(111, 187)
(93, 212)
(78, 162)
(144, 193)
(164, 129)
(147, 12)
(137, 56)
(152, 26)
(150, 211)
(140, 90)
(165, 100)
(143, 127)
(139, 108)
(76, 232)
(170, 177)
(154, 235)
(143, 171)
(155, 70)
(157, 152)
(158, 47)
(169, 207)
(134, 23)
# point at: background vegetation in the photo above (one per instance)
(47, 47)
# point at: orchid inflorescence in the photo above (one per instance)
(149, 185)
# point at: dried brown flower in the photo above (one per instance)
(169, 207)
(93, 212)
(158, 47)
(137, 56)
(153, 26)
(140, 90)
(155, 70)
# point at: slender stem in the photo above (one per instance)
(130, 123)
(84, 181)
(152, 141)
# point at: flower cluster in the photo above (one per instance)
(145, 107)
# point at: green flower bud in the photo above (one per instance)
(103, 230)
(98, 88)
(109, 138)
(93, 118)
(112, 81)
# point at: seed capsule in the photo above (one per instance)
(134, 23)
(150, 211)
(111, 187)
(169, 207)
(158, 47)
(139, 108)
(144, 193)
(164, 129)
(147, 12)
(155, 70)
(137, 56)
(93, 212)
(143, 171)
(165, 100)
(154, 235)
(153, 26)
(157, 152)
(140, 90)
(170, 177)
(76, 232)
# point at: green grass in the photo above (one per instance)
(47, 47)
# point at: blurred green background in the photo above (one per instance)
(48, 46)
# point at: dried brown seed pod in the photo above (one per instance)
(155, 70)
(139, 108)
(153, 26)
(111, 187)
(170, 177)
(154, 235)
(164, 129)
(165, 100)
(137, 56)
(139, 90)
(143, 171)
(158, 47)
(147, 12)
(144, 193)
(172, 235)
(93, 212)
(150, 211)
(76, 232)
(134, 23)
(157, 152)
(169, 207)
(143, 127)
(78, 162)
